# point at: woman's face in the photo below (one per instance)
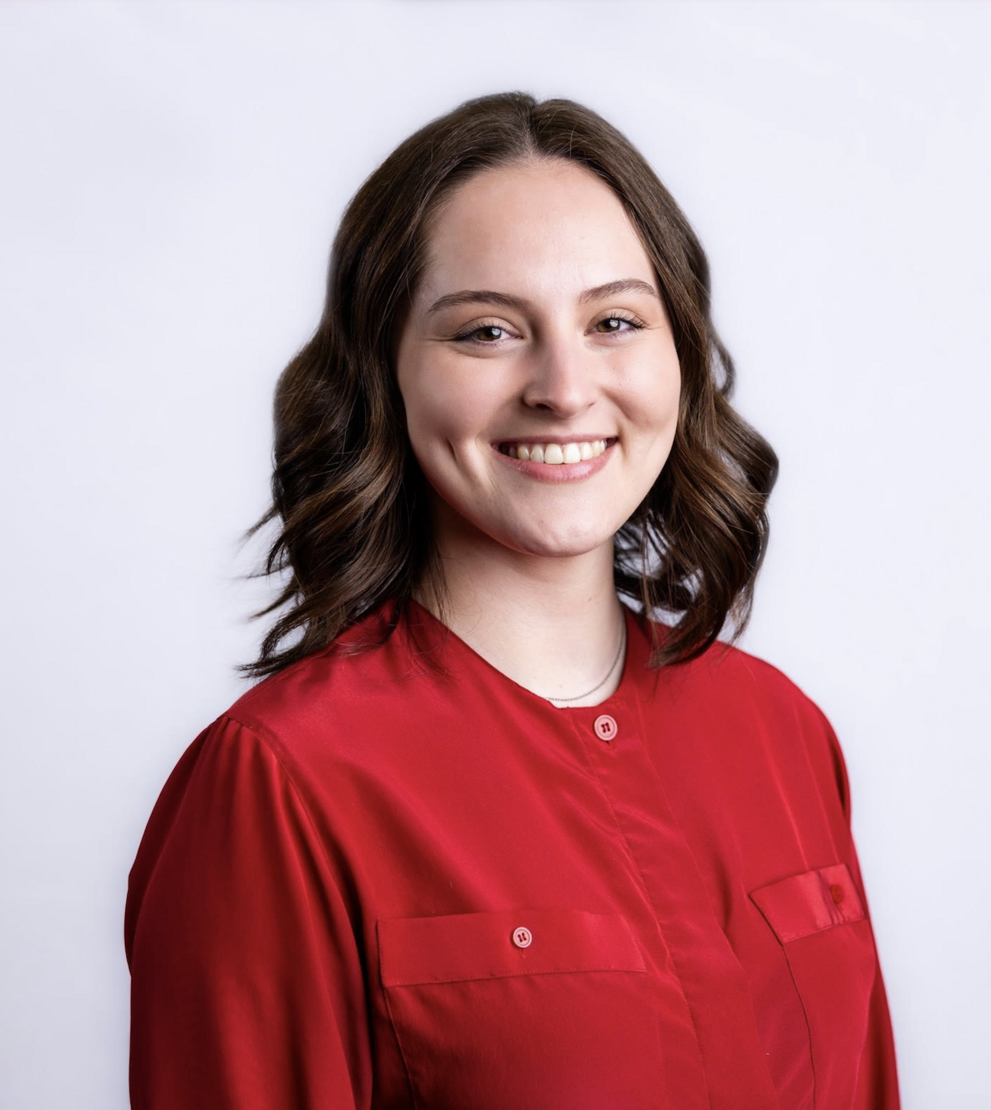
(537, 364)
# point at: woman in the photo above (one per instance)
(487, 837)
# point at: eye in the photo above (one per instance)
(614, 318)
(474, 334)
(470, 336)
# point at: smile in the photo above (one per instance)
(553, 461)
(555, 454)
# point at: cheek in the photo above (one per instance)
(670, 404)
(428, 416)
(447, 407)
(657, 397)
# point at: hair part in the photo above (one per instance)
(350, 495)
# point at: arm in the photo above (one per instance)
(877, 1083)
(246, 983)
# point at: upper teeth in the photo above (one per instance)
(556, 452)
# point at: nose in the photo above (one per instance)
(560, 378)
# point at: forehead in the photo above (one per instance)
(541, 227)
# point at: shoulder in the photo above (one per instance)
(726, 675)
(728, 698)
(363, 686)
(260, 758)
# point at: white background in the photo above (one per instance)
(172, 178)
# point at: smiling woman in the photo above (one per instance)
(487, 836)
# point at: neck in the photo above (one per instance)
(551, 624)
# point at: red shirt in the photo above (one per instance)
(373, 884)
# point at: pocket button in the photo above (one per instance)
(837, 893)
(522, 937)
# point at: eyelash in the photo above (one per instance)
(466, 336)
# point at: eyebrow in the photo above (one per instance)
(507, 300)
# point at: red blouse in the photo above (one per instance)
(374, 884)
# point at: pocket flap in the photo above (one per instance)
(810, 902)
(452, 947)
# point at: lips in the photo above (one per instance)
(555, 452)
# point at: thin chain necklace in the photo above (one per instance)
(598, 686)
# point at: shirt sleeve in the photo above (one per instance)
(877, 1082)
(247, 988)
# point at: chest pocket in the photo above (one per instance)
(819, 918)
(531, 1007)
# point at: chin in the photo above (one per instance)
(558, 544)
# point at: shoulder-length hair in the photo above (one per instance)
(346, 487)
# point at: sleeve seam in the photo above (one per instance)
(271, 745)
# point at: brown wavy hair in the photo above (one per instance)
(346, 487)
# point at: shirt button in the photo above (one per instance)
(522, 937)
(837, 893)
(605, 727)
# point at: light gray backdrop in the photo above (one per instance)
(172, 178)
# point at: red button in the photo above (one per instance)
(605, 727)
(837, 893)
(522, 937)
